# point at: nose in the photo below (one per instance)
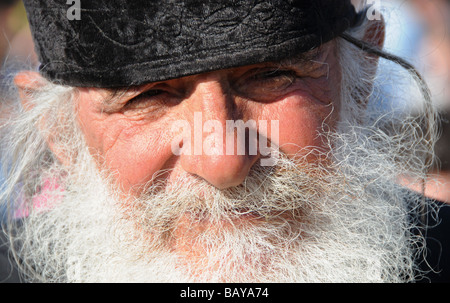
(218, 154)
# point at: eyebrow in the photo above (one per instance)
(303, 58)
(117, 93)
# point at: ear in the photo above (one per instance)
(29, 83)
(374, 31)
(374, 35)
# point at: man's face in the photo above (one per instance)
(132, 134)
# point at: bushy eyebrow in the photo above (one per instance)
(118, 93)
(303, 58)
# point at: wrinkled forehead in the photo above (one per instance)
(114, 43)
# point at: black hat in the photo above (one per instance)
(113, 43)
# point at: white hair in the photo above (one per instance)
(347, 218)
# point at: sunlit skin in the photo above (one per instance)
(131, 133)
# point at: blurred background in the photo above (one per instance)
(16, 45)
(417, 30)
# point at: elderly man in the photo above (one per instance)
(223, 141)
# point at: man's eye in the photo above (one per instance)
(266, 84)
(150, 95)
(274, 75)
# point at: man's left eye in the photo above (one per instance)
(150, 95)
(266, 84)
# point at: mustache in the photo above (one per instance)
(289, 189)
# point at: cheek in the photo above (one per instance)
(132, 153)
(137, 154)
(301, 121)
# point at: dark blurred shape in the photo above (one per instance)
(443, 144)
(5, 3)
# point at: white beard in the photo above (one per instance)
(347, 222)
